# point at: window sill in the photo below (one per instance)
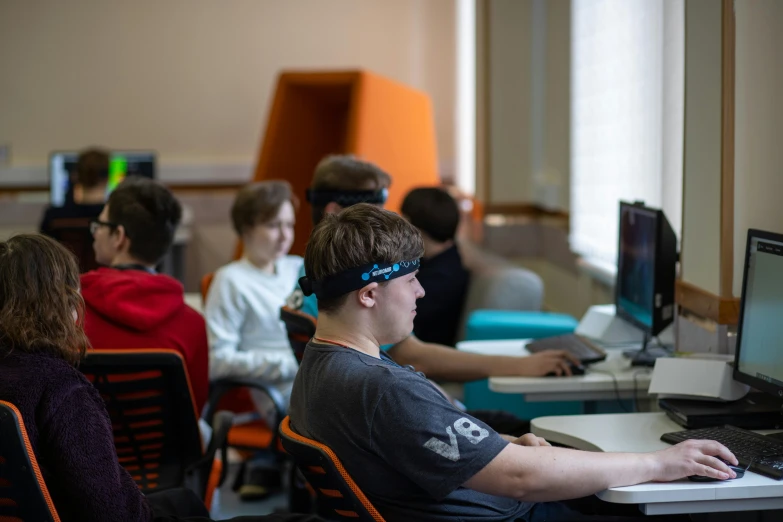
(604, 273)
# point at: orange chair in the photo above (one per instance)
(339, 497)
(206, 282)
(23, 493)
(300, 327)
(150, 403)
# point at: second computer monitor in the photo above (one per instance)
(121, 165)
(646, 268)
(759, 351)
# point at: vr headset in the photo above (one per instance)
(346, 198)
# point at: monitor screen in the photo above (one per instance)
(759, 353)
(121, 164)
(636, 264)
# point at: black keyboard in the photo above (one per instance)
(764, 454)
(580, 347)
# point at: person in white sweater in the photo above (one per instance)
(246, 336)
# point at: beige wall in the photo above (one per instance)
(702, 162)
(758, 162)
(553, 187)
(527, 67)
(509, 100)
(193, 78)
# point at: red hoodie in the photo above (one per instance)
(135, 309)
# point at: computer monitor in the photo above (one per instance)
(121, 164)
(646, 269)
(758, 360)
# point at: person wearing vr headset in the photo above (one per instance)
(413, 454)
(341, 181)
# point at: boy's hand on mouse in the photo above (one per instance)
(549, 361)
(694, 457)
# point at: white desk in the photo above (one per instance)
(641, 432)
(595, 385)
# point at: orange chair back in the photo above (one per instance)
(150, 403)
(339, 498)
(23, 493)
(206, 282)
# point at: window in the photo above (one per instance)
(627, 116)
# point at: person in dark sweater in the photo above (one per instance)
(442, 275)
(41, 340)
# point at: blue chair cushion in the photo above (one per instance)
(484, 325)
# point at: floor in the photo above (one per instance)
(226, 504)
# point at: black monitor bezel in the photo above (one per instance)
(619, 311)
(111, 152)
(754, 382)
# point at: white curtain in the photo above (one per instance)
(627, 115)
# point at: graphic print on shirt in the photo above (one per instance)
(463, 426)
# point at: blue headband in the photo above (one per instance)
(356, 278)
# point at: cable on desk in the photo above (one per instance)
(636, 388)
(616, 386)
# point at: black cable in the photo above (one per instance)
(616, 386)
(636, 388)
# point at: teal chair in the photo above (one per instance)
(485, 325)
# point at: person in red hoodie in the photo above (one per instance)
(129, 304)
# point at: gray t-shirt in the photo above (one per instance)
(404, 444)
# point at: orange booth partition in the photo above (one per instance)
(314, 114)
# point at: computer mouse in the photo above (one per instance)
(740, 471)
(575, 370)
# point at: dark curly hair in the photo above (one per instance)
(39, 294)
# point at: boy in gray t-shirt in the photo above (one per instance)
(414, 455)
(409, 449)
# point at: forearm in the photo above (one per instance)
(441, 362)
(560, 474)
(543, 474)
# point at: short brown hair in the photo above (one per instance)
(359, 235)
(346, 172)
(39, 291)
(149, 213)
(92, 168)
(433, 211)
(259, 203)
